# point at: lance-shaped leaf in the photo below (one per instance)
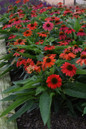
(75, 89)
(45, 105)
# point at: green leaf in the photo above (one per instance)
(84, 112)
(18, 88)
(39, 90)
(7, 57)
(9, 98)
(77, 25)
(27, 84)
(27, 55)
(4, 31)
(80, 71)
(14, 105)
(59, 62)
(10, 88)
(6, 71)
(45, 105)
(40, 57)
(21, 81)
(48, 123)
(2, 64)
(2, 37)
(24, 108)
(75, 89)
(70, 106)
(60, 47)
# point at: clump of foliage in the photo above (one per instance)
(49, 45)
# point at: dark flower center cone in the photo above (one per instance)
(48, 60)
(54, 80)
(48, 25)
(32, 25)
(81, 30)
(69, 67)
(20, 40)
(83, 56)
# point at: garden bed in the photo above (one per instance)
(47, 60)
(61, 119)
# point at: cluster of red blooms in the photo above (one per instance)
(24, 1)
(52, 24)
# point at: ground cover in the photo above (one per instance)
(47, 47)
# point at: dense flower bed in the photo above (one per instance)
(5, 3)
(49, 45)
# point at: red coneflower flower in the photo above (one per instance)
(28, 62)
(33, 15)
(76, 49)
(20, 62)
(12, 36)
(43, 10)
(50, 7)
(17, 21)
(48, 62)
(57, 21)
(68, 39)
(22, 51)
(29, 69)
(20, 41)
(5, 26)
(53, 55)
(18, 26)
(32, 26)
(69, 31)
(62, 35)
(81, 32)
(42, 34)
(68, 69)
(48, 19)
(40, 42)
(38, 66)
(21, 15)
(60, 3)
(67, 54)
(54, 81)
(76, 16)
(17, 1)
(16, 54)
(49, 47)
(84, 26)
(82, 60)
(63, 43)
(18, 50)
(27, 33)
(63, 27)
(48, 26)
(67, 11)
(83, 52)
(25, 1)
(54, 18)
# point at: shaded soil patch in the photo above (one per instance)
(58, 121)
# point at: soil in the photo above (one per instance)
(58, 121)
(63, 120)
